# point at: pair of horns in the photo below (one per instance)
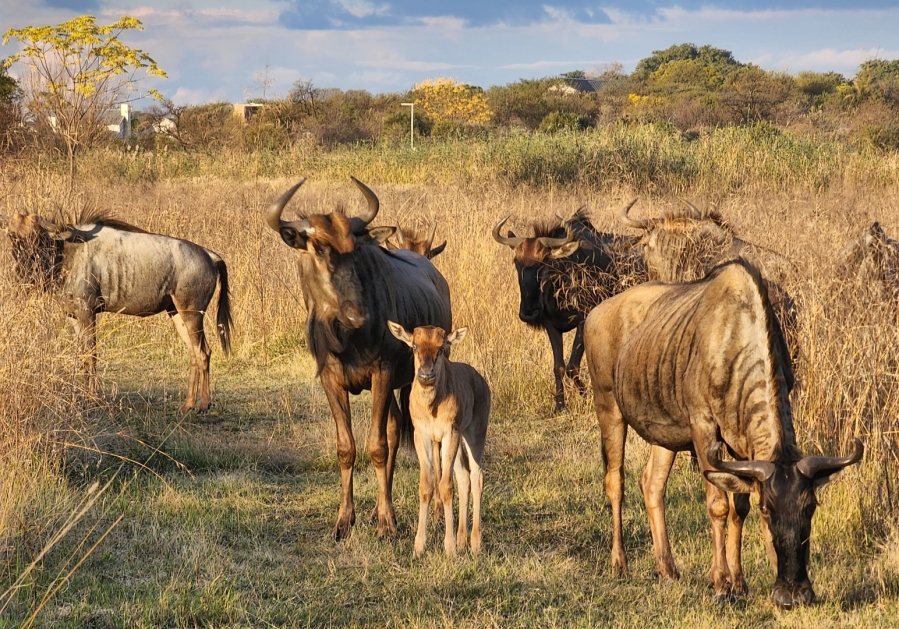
(514, 241)
(358, 223)
(646, 223)
(810, 466)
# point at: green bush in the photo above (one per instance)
(563, 121)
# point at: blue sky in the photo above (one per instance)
(221, 50)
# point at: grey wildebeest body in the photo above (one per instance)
(873, 260)
(688, 366)
(563, 271)
(450, 408)
(352, 286)
(100, 264)
(683, 246)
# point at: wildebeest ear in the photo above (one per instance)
(729, 482)
(399, 332)
(381, 234)
(566, 250)
(456, 336)
(293, 238)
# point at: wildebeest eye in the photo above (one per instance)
(763, 510)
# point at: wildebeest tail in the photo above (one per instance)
(224, 325)
(406, 430)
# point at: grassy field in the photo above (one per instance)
(223, 520)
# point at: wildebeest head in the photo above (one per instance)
(787, 502)
(37, 245)
(330, 242)
(414, 241)
(532, 255)
(429, 345)
(684, 246)
(874, 259)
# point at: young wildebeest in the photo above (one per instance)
(683, 246)
(100, 264)
(414, 241)
(873, 258)
(352, 286)
(564, 270)
(691, 365)
(449, 403)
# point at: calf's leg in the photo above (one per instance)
(425, 489)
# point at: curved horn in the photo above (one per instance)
(696, 212)
(553, 243)
(505, 240)
(627, 221)
(813, 466)
(273, 213)
(759, 470)
(433, 233)
(373, 203)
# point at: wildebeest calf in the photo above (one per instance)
(449, 403)
(873, 258)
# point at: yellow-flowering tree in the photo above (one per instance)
(450, 103)
(75, 72)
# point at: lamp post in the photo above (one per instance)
(411, 107)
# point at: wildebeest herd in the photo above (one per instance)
(686, 330)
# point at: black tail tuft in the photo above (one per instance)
(406, 429)
(224, 324)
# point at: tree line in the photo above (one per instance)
(686, 87)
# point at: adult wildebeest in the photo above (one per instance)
(873, 258)
(684, 246)
(564, 270)
(691, 365)
(450, 408)
(414, 241)
(352, 286)
(100, 264)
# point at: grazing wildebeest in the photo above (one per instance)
(352, 286)
(873, 258)
(688, 366)
(450, 407)
(414, 241)
(100, 264)
(564, 270)
(684, 246)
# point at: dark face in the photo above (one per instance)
(787, 503)
(530, 257)
(329, 272)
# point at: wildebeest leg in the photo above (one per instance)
(449, 449)
(739, 509)
(574, 361)
(437, 503)
(474, 449)
(555, 342)
(614, 434)
(379, 449)
(653, 482)
(84, 327)
(462, 472)
(425, 489)
(190, 328)
(718, 506)
(339, 401)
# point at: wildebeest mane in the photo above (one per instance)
(684, 219)
(97, 216)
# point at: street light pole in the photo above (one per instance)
(411, 107)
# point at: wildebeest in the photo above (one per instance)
(352, 286)
(873, 258)
(100, 264)
(688, 366)
(414, 241)
(683, 246)
(564, 270)
(450, 407)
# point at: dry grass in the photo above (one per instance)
(224, 519)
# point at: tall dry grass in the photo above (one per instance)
(802, 200)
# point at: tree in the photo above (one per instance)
(75, 72)
(451, 104)
(10, 112)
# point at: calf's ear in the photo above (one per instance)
(380, 234)
(400, 332)
(729, 482)
(456, 336)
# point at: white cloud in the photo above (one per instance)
(361, 8)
